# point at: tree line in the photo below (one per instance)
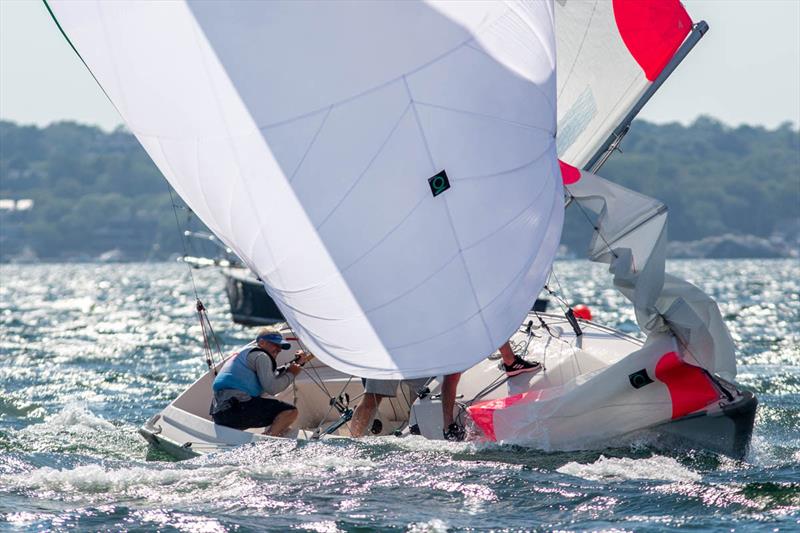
(94, 191)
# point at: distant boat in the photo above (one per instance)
(391, 172)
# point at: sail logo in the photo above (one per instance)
(439, 183)
(639, 379)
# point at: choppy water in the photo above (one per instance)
(88, 352)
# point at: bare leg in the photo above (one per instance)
(507, 353)
(364, 413)
(282, 422)
(449, 397)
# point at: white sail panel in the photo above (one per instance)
(304, 134)
(608, 55)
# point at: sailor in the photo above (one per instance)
(375, 390)
(246, 376)
(512, 364)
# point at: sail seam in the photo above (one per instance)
(449, 215)
(535, 85)
(514, 279)
(366, 169)
(510, 221)
(416, 286)
(508, 171)
(198, 33)
(482, 115)
(371, 89)
(580, 48)
(311, 144)
(386, 236)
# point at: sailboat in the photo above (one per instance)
(391, 172)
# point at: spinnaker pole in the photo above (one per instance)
(616, 136)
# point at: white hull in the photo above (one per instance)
(583, 398)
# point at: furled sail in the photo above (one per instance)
(387, 168)
(631, 237)
(609, 53)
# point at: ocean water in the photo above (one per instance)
(89, 352)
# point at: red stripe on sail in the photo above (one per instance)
(689, 386)
(652, 30)
(569, 174)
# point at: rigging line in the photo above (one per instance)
(201, 310)
(491, 387)
(561, 300)
(330, 406)
(683, 344)
(596, 228)
(211, 329)
(181, 237)
(321, 383)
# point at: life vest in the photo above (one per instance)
(235, 374)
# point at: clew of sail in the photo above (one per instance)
(388, 169)
(609, 54)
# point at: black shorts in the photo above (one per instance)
(254, 413)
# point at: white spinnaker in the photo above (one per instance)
(600, 75)
(304, 134)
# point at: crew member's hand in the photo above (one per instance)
(301, 357)
(294, 369)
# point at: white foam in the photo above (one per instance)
(431, 526)
(325, 526)
(94, 478)
(620, 469)
(73, 417)
(167, 485)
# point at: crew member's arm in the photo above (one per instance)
(271, 382)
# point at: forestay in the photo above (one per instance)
(609, 53)
(318, 140)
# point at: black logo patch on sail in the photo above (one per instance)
(439, 183)
(639, 379)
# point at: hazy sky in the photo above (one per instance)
(746, 69)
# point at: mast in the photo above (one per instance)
(616, 136)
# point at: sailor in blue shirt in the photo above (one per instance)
(246, 376)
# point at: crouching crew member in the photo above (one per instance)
(246, 376)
